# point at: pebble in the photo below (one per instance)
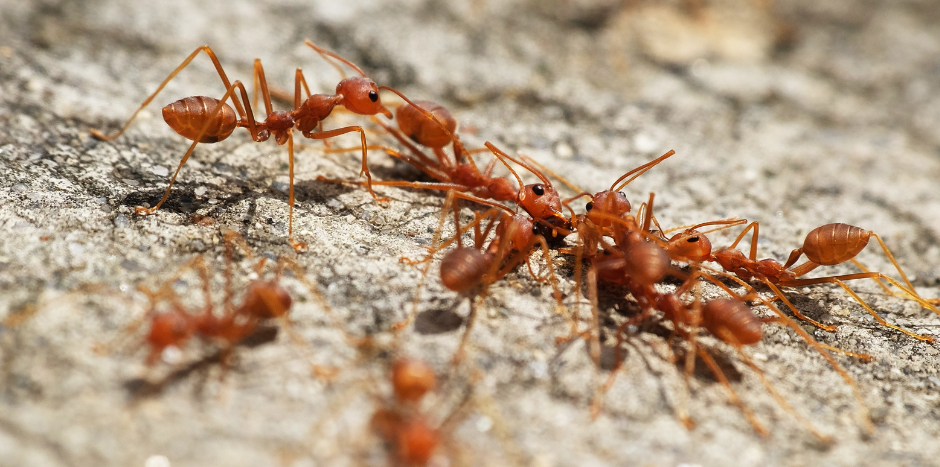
(121, 221)
(160, 171)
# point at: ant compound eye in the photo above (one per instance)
(535, 229)
(373, 96)
(621, 194)
(589, 206)
(692, 239)
(539, 190)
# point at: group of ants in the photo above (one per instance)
(620, 248)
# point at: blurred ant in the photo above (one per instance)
(209, 120)
(262, 300)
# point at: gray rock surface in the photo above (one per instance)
(795, 115)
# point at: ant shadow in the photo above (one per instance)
(438, 321)
(142, 388)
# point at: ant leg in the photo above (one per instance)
(448, 202)
(218, 67)
(299, 246)
(839, 280)
(229, 93)
(792, 308)
(365, 157)
(553, 280)
(779, 398)
(820, 349)
(748, 414)
(753, 253)
(418, 185)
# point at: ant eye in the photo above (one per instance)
(589, 206)
(692, 239)
(373, 96)
(538, 190)
(621, 194)
(535, 229)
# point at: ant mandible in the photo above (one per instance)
(208, 120)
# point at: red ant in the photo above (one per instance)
(830, 244)
(431, 125)
(209, 120)
(639, 263)
(468, 269)
(410, 435)
(405, 430)
(262, 300)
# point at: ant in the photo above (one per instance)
(639, 263)
(410, 437)
(263, 300)
(208, 120)
(432, 125)
(467, 270)
(827, 245)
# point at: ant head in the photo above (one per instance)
(690, 246)
(411, 380)
(361, 96)
(267, 300)
(606, 204)
(541, 201)
(422, 129)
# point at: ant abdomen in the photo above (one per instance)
(188, 116)
(646, 263)
(732, 321)
(463, 268)
(423, 130)
(411, 380)
(265, 300)
(835, 243)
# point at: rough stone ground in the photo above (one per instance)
(795, 115)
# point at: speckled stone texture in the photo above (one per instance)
(794, 114)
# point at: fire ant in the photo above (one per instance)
(410, 437)
(263, 300)
(431, 125)
(829, 244)
(209, 120)
(639, 263)
(467, 270)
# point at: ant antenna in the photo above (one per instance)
(639, 171)
(326, 53)
(500, 155)
(528, 167)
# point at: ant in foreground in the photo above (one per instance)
(208, 120)
(827, 245)
(431, 125)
